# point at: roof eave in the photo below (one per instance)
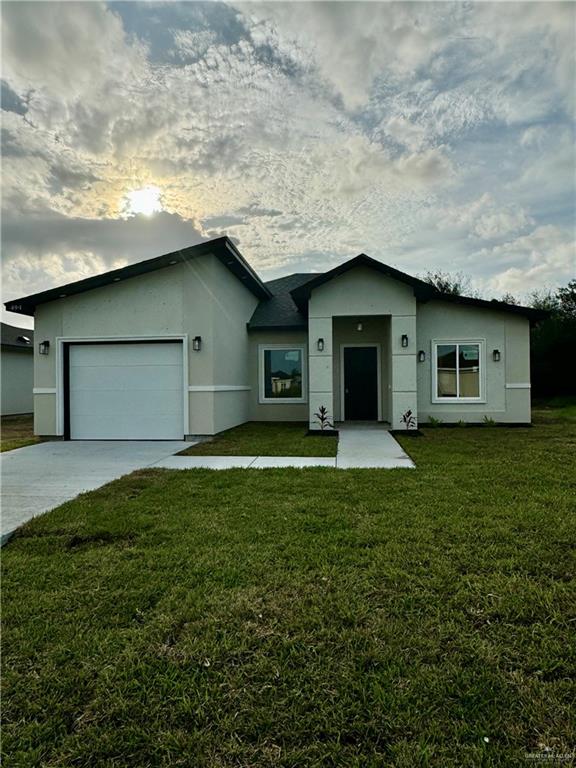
(221, 247)
(422, 291)
(534, 315)
(280, 327)
(18, 347)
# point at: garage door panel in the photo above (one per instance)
(126, 391)
(118, 402)
(134, 354)
(123, 427)
(144, 377)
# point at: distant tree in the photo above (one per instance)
(567, 299)
(553, 343)
(508, 298)
(547, 300)
(457, 283)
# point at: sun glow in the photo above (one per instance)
(146, 201)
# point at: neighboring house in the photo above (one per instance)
(17, 370)
(193, 342)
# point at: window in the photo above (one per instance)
(282, 374)
(458, 372)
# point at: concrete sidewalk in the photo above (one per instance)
(244, 462)
(360, 446)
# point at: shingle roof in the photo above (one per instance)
(280, 312)
(283, 302)
(15, 337)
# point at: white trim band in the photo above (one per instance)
(220, 388)
(519, 386)
(44, 391)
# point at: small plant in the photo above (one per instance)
(489, 422)
(462, 423)
(409, 420)
(432, 422)
(323, 418)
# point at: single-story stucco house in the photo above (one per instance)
(16, 370)
(193, 342)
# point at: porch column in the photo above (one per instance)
(320, 370)
(403, 360)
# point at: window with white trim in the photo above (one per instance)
(282, 374)
(458, 370)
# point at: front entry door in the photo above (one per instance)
(360, 383)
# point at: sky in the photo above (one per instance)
(426, 135)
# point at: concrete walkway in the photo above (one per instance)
(360, 446)
(39, 477)
(43, 476)
(369, 445)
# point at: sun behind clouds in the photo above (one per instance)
(145, 201)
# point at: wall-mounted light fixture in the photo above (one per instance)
(44, 347)
(421, 356)
(320, 345)
(359, 327)
(404, 340)
(197, 343)
(496, 355)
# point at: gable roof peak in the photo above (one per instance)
(302, 293)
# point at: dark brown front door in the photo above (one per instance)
(360, 384)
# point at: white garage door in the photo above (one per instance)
(126, 391)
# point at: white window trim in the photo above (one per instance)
(482, 360)
(262, 399)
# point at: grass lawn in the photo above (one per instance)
(266, 439)
(558, 409)
(312, 617)
(16, 432)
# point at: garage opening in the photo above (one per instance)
(124, 391)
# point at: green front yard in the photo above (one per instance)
(313, 617)
(258, 438)
(16, 432)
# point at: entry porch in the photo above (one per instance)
(362, 369)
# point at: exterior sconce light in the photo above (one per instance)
(421, 356)
(496, 355)
(197, 343)
(320, 345)
(44, 347)
(359, 327)
(404, 340)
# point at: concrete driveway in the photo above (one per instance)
(43, 476)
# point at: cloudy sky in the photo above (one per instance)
(426, 135)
